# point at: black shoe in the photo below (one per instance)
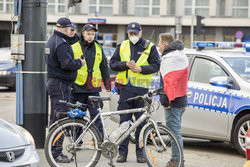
(141, 159)
(62, 159)
(121, 159)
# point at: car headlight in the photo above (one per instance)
(5, 72)
(27, 135)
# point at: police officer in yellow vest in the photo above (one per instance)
(135, 60)
(89, 77)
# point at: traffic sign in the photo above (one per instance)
(239, 35)
(96, 21)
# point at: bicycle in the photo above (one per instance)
(84, 144)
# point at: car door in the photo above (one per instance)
(208, 105)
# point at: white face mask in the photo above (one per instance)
(134, 39)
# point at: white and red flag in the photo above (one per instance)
(174, 72)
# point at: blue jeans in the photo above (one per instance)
(173, 117)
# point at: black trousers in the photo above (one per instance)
(83, 98)
(125, 93)
(58, 90)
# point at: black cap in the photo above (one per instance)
(63, 22)
(87, 27)
(134, 27)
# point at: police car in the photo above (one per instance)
(218, 93)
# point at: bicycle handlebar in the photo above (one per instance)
(159, 91)
(135, 98)
(76, 105)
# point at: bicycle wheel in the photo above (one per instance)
(60, 141)
(153, 150)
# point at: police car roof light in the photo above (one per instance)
(200, 44)
(247, 46)
(203, 44)
(238, 45)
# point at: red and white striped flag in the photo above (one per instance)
(174, 72)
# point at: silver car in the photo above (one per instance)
(218, 96)
(17, 147)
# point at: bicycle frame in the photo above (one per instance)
(143, 117)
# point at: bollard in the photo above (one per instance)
(247, 140)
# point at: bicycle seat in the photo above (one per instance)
(97, 99)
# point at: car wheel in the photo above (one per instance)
(239, 134)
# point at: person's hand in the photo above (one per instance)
(167, 108)
(83, 61)
(136, 69)
(130, 64)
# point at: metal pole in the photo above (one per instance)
(34, 21)
(192, 24)
(96, 34)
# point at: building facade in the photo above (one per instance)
(223, 18)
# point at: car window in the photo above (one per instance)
(203, 70)
(241, 65)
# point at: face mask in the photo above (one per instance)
(134, 39)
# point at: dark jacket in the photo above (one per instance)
(135, 51)
(73, 39)
(60, 59)
(179, 101)
(88, 50)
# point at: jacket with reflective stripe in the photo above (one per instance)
(136, 79)
(82, 73)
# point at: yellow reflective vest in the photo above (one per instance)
(136, 79)
(82, 73)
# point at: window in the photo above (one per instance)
(9, 6)
(147, 7)
(123, 7)
(220, 9)
(101, 7)
(203, 70)
(56, 6)
(201, 7)
(241, 65)
(76, 9)
(240, 8)
(171, 8)
(6, 6)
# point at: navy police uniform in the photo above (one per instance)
(61, 73)
(129, 90)
(82, 91)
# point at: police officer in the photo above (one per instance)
(61, 73)
(73, 37)
(89, 78)
(135, 60)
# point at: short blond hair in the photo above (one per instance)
(166, 37)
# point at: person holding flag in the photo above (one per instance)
(174, 79)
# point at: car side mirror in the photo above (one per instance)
(221, 82)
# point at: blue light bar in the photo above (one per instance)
(203, 44)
